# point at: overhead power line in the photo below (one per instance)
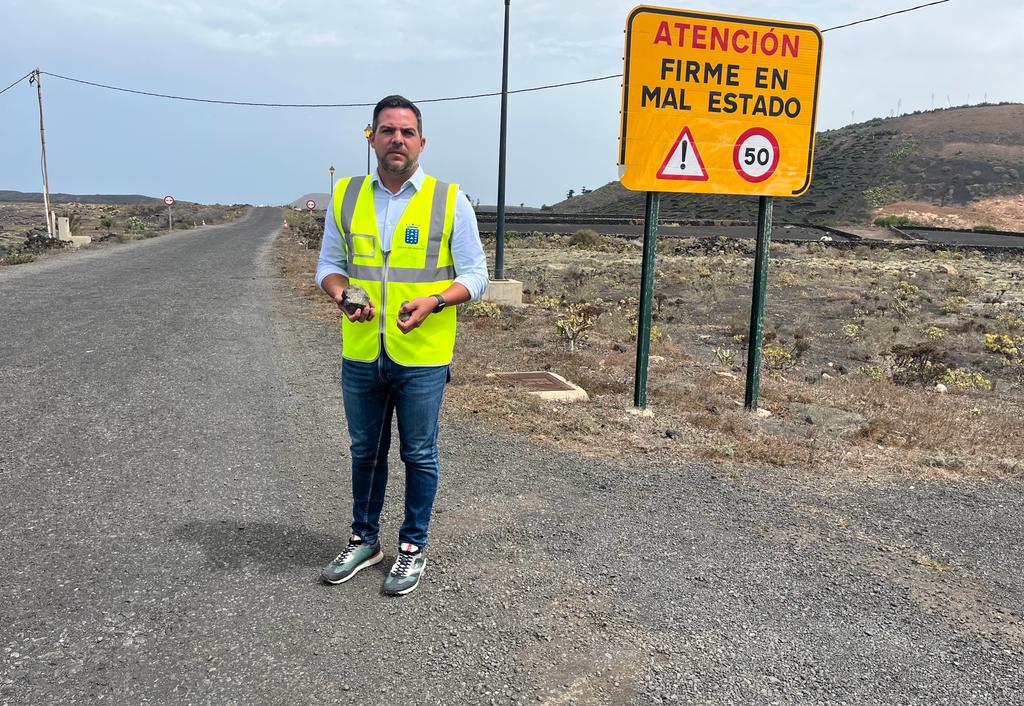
(421, 100)
(16, 83)
(888, 14)
(323, 105)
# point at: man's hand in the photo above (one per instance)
(418, 309)
(361, 314)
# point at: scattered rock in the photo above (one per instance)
(404, 315)
(618, 348)
(941, 388)
(947, 268)
(725, 374)
(826, 376)
(762, 413)
(671, 433)
(354, 298)
(641, 412)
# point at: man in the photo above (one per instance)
(413, 244)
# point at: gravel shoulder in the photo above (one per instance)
(175, 471)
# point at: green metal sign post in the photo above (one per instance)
(643, 332)
(754, 340)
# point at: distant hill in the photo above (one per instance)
(946, 157)
(28, 197)
(321, 200)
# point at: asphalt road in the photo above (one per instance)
(174, 472)
(668, 231)
(979, 239)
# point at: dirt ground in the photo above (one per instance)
(876, 361)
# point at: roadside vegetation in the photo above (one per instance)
(23, 226)
(876, 359)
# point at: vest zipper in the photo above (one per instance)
(383, 301)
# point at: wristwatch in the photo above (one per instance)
(440, 303)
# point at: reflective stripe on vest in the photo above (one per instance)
(419, 264)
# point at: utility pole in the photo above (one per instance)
(42, 141)
(499, 251)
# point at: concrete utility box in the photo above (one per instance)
(504, 292)
(64, 233)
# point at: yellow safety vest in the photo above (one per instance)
(420, 264)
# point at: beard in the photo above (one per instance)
(398, 168)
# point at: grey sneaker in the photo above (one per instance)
(405, 574)
(353, 558)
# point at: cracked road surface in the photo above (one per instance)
(174, 471)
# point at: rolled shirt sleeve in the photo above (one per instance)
(333, 255)
(467, 251)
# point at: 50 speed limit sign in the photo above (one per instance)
(756, 155)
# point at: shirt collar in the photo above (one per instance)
(415, 181)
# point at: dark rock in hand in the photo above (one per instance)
(404, 315)
(354, 298)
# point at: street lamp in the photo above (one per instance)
(368, 132)
(331, 171)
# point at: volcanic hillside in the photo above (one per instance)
(950, 157)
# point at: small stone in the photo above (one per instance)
(404, 315)
(671, 433)
(725, 374)
(618, 348)
(826, 376)
(763, 413)
(354, 298)
(940, 388)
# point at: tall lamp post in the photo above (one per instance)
(330, 170)
(368, 132)
(499, 245)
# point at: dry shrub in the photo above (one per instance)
(586, 237)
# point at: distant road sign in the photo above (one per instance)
(311, 204)
(718, 104)
(169, 200)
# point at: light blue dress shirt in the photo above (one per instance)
(467, 252)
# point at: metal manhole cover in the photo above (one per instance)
(536, 381)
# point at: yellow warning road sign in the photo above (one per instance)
(718, 104)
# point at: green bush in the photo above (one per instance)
(878, 196)
(899, 221)
(17, 258)
(481, 309)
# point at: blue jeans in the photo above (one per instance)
(373, 392)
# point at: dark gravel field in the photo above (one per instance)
(175, 471)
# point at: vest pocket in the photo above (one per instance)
(363, 245)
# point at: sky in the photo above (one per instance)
(319, 51)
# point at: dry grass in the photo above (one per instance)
(853, 420)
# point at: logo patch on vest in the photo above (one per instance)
(412, 235)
